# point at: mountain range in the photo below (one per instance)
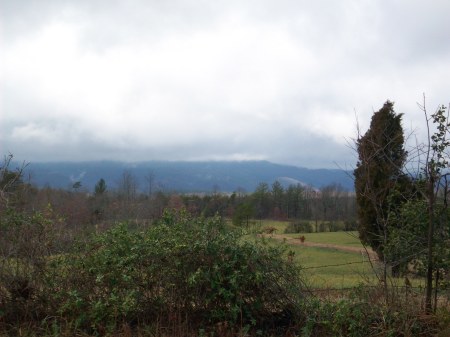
(179, 176)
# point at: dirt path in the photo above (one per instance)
(296, 241)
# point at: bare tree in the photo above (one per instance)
(127, 193)
(150, 180)
(435, 173)
(10, 180)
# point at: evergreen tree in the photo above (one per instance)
(99, 202)
(100, 187)
(378, 172)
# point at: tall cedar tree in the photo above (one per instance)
(378, 172)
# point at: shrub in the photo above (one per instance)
(198, 269)
(298, 227)
(335, 226)
(365, 313)
(324, 227)
(269, 230)
(26, 243)
(350, 225)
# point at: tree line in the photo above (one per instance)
(125, 202)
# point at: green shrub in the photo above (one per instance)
(198, 269)
(26, 243)
(335, 226)
(324, 227)
(364, 313)
(298, 227)
(350, 225)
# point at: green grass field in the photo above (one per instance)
(337, 238)
(327, 267)
(331, 268)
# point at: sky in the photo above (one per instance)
(285, 81)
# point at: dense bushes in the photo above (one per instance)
(364, 312)
(182, 269)
(27, 242)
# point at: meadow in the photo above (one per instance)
(329, 268)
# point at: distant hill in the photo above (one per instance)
(224, 176)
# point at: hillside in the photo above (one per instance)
(224, 176)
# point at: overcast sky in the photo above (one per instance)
(277, 80)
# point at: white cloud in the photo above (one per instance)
(32, 132)
(277, 80)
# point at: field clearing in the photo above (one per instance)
(331, 268)
(344, 266)
(337, 238)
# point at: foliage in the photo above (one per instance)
(298, 227)
(350, 225)
(435, 176)
(419, 229)
(26, 243)
(362, 314)
(407, 241)
(242, 214)
(439, 142)
(184, 270)
(100, 187)
(381, 157)
(14, 192)
(184, 267)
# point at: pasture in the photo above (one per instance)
(331, 260)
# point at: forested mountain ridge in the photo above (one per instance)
(180, 176)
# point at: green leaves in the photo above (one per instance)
(439, 141)
(198, 268)
(381, 158)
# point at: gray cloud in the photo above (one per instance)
(275, 80)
